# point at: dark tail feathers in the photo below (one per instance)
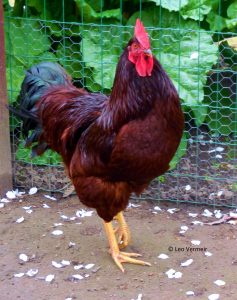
(38, 80)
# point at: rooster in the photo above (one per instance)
(113, 145)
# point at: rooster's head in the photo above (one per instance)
(139, 52)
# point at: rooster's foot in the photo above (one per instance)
(118, 256)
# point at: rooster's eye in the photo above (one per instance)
(135, 46)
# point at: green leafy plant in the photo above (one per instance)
(26, 44)
(181, 151)
(49, 157)
(87, 37)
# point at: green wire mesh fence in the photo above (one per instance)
(196, 43)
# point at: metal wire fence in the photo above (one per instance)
(196, 43)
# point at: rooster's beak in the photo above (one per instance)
(148, 52)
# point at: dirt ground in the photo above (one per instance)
(83, 242)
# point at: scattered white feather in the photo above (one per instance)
(218, 214)
(45, 205)
(20, 220)
(217, 149)
(65, 262)
(207, 253)
(207, 213)
(33, 191)
(232, 222)
(233, 215)
(11, 195)
(5, 200)
(171, 273)
(194, 55)
(50, 197)
(71, 244)
(23, 257)
(193, 215)
(178, 275)
(220, 193)
(68, 299)
(196, 242)
(14, 194)
(57, 265)
(57, 232)
(26, 207)
(49, 278)
(184, 228)
(187, 263)
(61, 264)
(190, 293)
(218, 156)
(212, 196)
(32, 272)
(18, 193)
(130, 205)
(188, 187)
(78, 267)
(83, 213)
(197, 223)
(211, 151)
(214, 297)
(163, 256)
(172, 210)
(64, 217)
(2, 205)
(57, 224)
(157, 208)
(19, 275)
(89, 266)
(139, 297)
(219, 282)
(77, 276)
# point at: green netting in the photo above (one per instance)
(196, 43)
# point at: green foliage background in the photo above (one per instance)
(87, 37)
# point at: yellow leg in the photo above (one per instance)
(123, 232)
(118, 256)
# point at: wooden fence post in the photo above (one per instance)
(5, 148)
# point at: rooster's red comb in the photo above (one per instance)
(141, 35)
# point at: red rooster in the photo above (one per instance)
(111, 146)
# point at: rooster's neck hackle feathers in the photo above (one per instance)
(134, 96)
